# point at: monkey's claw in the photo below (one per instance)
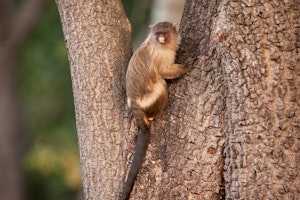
(190, 61)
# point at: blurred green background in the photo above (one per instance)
(51, 162)
(50, 156)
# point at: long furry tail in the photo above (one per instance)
(140, 152)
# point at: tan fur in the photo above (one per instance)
(149, 66)
(146, 88)
(149, 99)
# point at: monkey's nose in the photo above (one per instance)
(161, 39)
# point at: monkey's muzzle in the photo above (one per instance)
(161, 39)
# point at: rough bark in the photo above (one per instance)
(185, 158)
(258, 44)
(97, 35)
(14, 28)
(237, 110)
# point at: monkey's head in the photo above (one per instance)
(164, 33)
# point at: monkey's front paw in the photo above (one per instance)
(190, 61)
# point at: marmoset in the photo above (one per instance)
(146, 88)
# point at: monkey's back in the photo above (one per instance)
(144, 87)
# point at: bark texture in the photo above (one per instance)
(185, 155)
(258, 44)
(97, 35)
(232, 124)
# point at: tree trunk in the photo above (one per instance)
(231, 127)
(11, 181)
(258, 44)
(97, 35)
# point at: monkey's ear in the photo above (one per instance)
(151, 26)
(175, 25)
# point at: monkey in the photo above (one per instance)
(146, 88)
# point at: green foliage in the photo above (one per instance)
(52, 160)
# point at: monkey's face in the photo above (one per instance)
(164, 32)
(162, 37)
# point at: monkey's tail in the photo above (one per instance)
(140, 152)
